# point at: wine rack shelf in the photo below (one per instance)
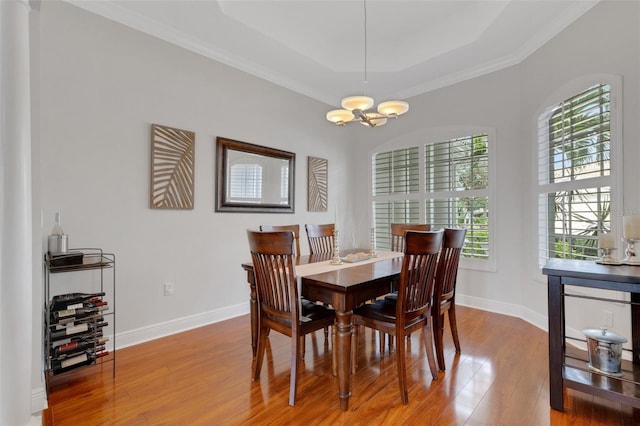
(78, 310)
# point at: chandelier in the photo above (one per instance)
(358, 108)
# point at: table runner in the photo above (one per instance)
(326, 266)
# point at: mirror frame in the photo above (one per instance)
(223, 145)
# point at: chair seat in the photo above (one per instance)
(312, 316)
(391, 298)
(378, 310)
(382, 311)
(314, 312)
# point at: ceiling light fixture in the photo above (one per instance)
(356, 108)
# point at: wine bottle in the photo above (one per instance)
(71, 322)
(91, 336)
(65, 301)
(86, 358)
(57, 227)
(80, 305)
(74, 352)
(78, 318)
(77, 346)
(78, 313)
(79, 329)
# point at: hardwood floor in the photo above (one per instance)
(202, 377)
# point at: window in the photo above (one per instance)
(575, 177)
(445, 184)
(457, 192)
(284, 184)
(396, 176)
(247, 182)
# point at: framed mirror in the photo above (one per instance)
(253, 178)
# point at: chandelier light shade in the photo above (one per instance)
(393, 108)
(340, 116)
(356, 108)
(362, 103)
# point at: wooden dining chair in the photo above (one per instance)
(293, 228)
(296, 235)
(397, 244)
(444, 293)
(398, 230)
(320, 238)
(412, 312)
(279, 304)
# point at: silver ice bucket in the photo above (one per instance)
(605, 350)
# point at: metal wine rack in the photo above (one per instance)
(100, 269)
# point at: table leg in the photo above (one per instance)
(253, 309)
(556, 341)
(343, 349)
(635, 327)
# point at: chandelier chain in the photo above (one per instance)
(365, 48)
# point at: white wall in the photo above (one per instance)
(604, 40)
(103, 84)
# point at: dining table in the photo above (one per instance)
(343, 286)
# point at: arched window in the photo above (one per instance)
(576, 174)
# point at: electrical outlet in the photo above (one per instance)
(168, 289)
(607, 318)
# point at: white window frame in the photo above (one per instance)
(438, 135)
(614, 180)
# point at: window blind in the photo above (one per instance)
(246, 182)
(396, 172)
(574, 175)
(457, 184)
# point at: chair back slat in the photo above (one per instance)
(447, 272)
(276, 284)
(415, 289)
(398, 230)
(320, 238)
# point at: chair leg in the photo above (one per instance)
(401, 361)
(427, 341)
(326, 334)
(454, 327)
(295, 359)
(262, 345)
(438, 331)
(354, 348)
(302, 346)
(383, 336)
(334, 354)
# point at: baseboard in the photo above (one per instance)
(36, 420)
(510, 309)
(38, 401)
(167, 328)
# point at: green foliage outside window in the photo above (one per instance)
(579, 151)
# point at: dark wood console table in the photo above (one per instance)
(567, 366)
